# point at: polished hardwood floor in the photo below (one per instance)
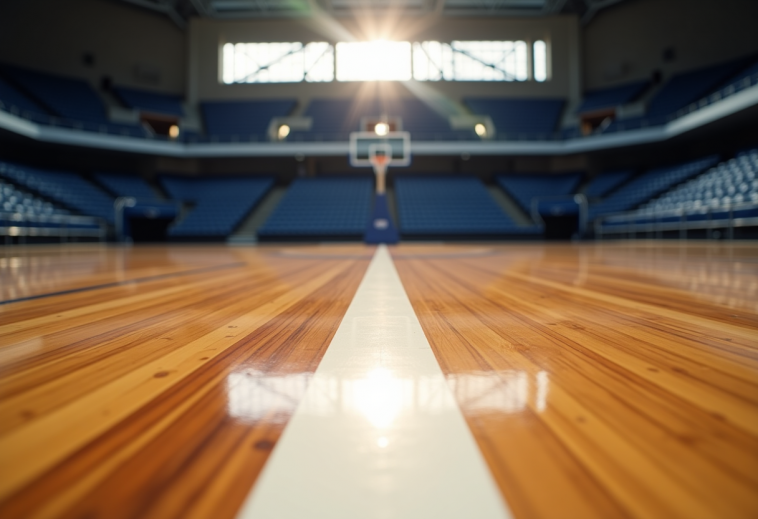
(599, 380)
(161, 393)
(603, 380)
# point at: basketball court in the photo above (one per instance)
(542, 305)
(587, 380)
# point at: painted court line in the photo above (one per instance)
(378, 433)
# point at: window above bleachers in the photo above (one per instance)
(279, 62)
(293, 62)
(470, 61)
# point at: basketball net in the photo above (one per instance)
(379, 162)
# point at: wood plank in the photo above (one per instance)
(600, 380)
(163, 406)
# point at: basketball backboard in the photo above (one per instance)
(395, 145)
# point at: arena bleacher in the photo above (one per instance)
(126, 185)
(723, 197)
(152, 102)
(220, 204)
(526, 187)
(606, 182)
(242, 120)
(648, 185)
(444, 117)
(323, 208)
(445, 207)
(520, 118)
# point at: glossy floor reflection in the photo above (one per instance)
(602, 380)
(598, 380)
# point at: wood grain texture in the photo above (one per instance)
(602, 380)
(161, 393)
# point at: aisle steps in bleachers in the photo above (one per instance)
(221, 203)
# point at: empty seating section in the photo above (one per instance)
(750, 72)
(321, 208)
(67, 102)
(243, 120)
(153, 102)
(514, 118)
(451, 207)
(648, 185)
(126, 185)
(731, 183)
(334, 119)
(67, 189)
(65, 97)
(220, 203)
(604, 183)
(24, 214)
(612, 97)
(16, 102)
(15, 200)
(523, 188)
(688, 87)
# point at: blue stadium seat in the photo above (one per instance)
(524, 187)
(612, 97)
(16, 200)
(220, 203)
(334, 119)
(648, 185)
(728, 184)
(529, 118)
(243, 120)
(126, 185)
(321, 208)
(65, 97)
(15, 101)
(604, 183)
(153, 102)
(68, 189)
(687, 87)
(452, 207)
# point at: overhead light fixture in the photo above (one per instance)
(480, 129)
(283, 131)
(382, 129)
(173, 131)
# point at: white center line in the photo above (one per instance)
(378, 433)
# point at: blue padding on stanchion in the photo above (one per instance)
(381, 229)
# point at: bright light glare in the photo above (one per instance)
(374, 61)
(173, 131)
(382, 128)
(382, 442)
(379, 397)
(284, 130)
(480, 129)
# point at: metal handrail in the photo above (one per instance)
(61, 225)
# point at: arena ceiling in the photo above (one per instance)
(181, 10)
